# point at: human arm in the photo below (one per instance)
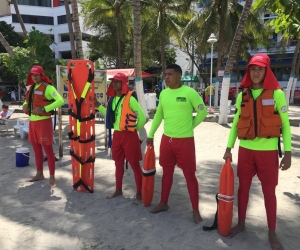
(51, 94)
(156, 121)
(199, 107)
(99, 106)
(136, 107)
(281, 107)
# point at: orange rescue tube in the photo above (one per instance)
(148, 176)
(225, 197)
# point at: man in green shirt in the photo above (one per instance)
(176, 105)
(261, 111)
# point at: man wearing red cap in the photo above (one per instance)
(261, 112)
(126, 117)
(41, 99)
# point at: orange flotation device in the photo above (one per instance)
(81, 123)
(225, 197)
(149, 171)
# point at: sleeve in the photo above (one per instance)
(158, 117)
(233, 131)
(199, 107)
(102, 109)
(281, 107)
(135, 107)
(52, 93)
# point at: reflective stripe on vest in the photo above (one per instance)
(258, 117)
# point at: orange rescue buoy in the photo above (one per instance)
(149, 171)
(225, 198)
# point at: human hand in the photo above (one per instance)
(286, 161)
(37, 110)
(25, 108)
(227, 154)
(96, 103)
(149, 141)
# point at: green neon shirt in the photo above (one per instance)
(264, 143)
(133, 105)
(176, 108)
(50, 93)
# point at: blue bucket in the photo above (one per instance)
(22, 157)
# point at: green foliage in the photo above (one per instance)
(14, 39)
(38, 52)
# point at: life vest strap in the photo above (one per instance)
(80, 182)
(88, 140)
(70, 135)
(77, 158)
(79, 118)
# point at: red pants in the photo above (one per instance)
(264, 164)
(180, 151)
(127, 145)
(41, 136)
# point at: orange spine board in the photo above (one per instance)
(225, 196)
(148, 176)
(80, 73)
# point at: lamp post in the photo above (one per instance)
(212, 39)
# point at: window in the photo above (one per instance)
(62, 19)
(48, 20)
(42, 3)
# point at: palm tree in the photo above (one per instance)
(6, 46)
(70, 27)
(98, 13)
(230, 62)
(78, 35)
(138, 55)
(20, 18)
(164, 12)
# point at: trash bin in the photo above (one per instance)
(229, 107)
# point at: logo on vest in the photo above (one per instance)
(283, 109)
(180, 99)
(200, 107)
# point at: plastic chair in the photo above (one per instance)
(5, 121)
(18, 126)
(25, 129)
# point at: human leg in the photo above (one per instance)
(167, 181)
(138, 176)
(193, 189)
(119, 173)
(51, 164)
(39, 159)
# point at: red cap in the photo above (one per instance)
(261, 60)
(120, 77)
(37, 70)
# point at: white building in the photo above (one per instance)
(47, 16)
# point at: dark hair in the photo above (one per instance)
(176, 68)
(5, 106)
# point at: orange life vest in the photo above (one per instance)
(39, 99)
(128, 117)
(258, 117)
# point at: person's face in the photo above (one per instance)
(36, 78)
(172, 78)
(257, 74)
(117, 85)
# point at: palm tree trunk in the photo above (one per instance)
(20, 18)
(6, 45)
(293, 75)
(138, 55)
(162, 46)
(70, 27)
(119, 56)
(229, 65)
(297, 68)
(78, 35)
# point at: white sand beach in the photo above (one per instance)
(33, 216)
